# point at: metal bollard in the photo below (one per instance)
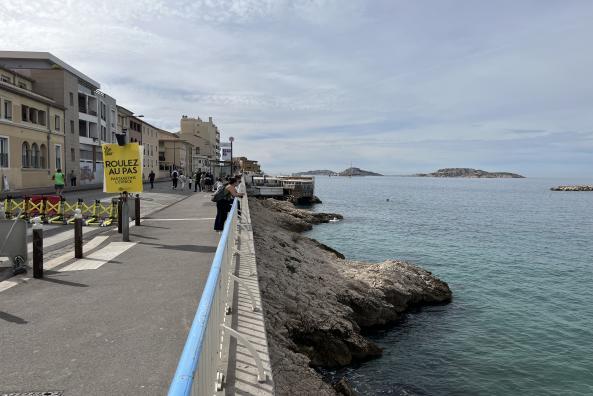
(125, 218)
(77, 233)
(137, 210)
(37, 248)
(119, 214)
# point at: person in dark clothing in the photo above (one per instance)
(224, 205)
(151, 176)
(174, 177)
(72, 178)
(197, 181)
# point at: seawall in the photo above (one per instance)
(316, 303)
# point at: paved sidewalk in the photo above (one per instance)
(118, 329)
(58, 238)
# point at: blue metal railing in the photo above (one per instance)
(183, 380)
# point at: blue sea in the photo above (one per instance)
(519, 260)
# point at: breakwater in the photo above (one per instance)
(316, 303)
(573, 188)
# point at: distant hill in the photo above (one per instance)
(469, 172)
(346, 172)
(323, 172)
(357, 172)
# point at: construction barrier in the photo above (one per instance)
(53, 209)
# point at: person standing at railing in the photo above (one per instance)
(224, 200)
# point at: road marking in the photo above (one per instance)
(100, 257)
(186, 219)
(92, 244)
(15, 280)
(61, 237)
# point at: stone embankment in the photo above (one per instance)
(316, 303)
(573, 188)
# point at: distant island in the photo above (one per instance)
(346, 172)
(469, 172)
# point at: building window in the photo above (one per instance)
(41, 117)
(26, 153)
(112, 118)
(4, 78)
(103, 133)
(58, 150)
(82, 128)
(43, 156)
(71, 126)
(24, 113)
(34, 155)
(33, 115)
(8, 109)
(22, 85)
(72, 155)
(3, 152)
(57, 122)
(103, 111)
(71, 99)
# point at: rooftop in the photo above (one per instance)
(53, 60)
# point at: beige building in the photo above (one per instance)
(150, 143)
(246, 165)
(203, 136)
(31, 134)
(90, 114)
(174, 153)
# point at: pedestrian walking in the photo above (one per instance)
(197, 181)
(203, 182)
(72, 178)
(189, 180)
(182, 180)
(151, 177)
(59, 181)
(175, 178)
(223, 199)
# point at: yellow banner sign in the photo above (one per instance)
(122, 166)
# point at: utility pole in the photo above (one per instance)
(232, 139)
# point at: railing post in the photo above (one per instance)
(77, 233)
(119, 214)
(137, 209)
(37, 248)
(125, 217)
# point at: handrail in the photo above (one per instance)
(183, 379)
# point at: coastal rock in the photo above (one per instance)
(573, 188)
(344, 388)
(316, 303)
(471, 173)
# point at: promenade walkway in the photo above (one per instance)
(115, 322)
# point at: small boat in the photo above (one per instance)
(334, 220)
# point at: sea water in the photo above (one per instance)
(519, 260)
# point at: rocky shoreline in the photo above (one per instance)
(573, 188)
(316, 303)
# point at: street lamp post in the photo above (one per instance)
(232, 139)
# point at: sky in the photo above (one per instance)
(396, 87)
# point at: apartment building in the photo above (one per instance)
(174, 153)
(203, 136)
(150, 143)
(89, 113)
(31, 134)
(245, 165)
